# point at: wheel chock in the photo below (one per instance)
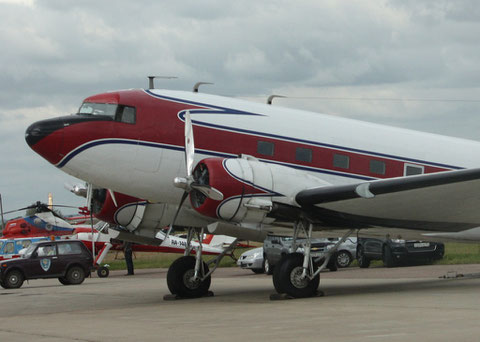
(284, 296)
(177, 297)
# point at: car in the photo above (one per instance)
(253, 260)
(275, 247)
(68, 260)
(346, 252)
(394, 252)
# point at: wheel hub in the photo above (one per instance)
(13, 279)
(296, 278)
(190, 281)
(343, 259)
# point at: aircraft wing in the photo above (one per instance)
(444, 201)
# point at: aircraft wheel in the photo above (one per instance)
(3, 285)
(287, 277)
(103, 272)
(13, 280)
(180, 278)
(75, 275)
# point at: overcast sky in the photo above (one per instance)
(413, 64)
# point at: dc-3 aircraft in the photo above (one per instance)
(255, 169)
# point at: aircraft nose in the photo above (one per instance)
(41, 129)
(46, 138)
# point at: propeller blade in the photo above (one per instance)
(208, 191)
(189, 144)
(112, 195)
(89, 196)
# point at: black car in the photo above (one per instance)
(394, 252)
(68, 260)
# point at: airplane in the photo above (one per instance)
(255, 169)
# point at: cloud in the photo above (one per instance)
(55, 53)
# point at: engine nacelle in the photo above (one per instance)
(136, 214)
(249, 187)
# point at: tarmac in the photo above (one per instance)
(377, 304)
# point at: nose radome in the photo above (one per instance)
(46, 138)
(41, 129)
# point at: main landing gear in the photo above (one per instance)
(297, 275)
(189, 276)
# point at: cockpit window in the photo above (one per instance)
(125, 114)
(98, 109)
(117, 112)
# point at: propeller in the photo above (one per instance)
(82, 191)
(189, 183)
(76, 189)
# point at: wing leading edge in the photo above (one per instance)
(445, 201)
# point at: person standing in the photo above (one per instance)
(127, 250)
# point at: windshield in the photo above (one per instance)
(108, 109)
(120, 113)
(28, 252)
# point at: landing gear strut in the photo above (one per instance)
(189, 276)
(298, 275)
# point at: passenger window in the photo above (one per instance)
(48, 250)
(341, 160)
(69, 248)
(303, 154)
(126, 114)
(377, 166)
(411, 170)
(265, 148)
(1, 246)
(9, 248)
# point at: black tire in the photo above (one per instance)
(75, 275)
(332, 263)
(267, 268)
(363, 261)
(13, 280)
(286, 277)
(179, 277)
(387, 257)
(63, 281)
(103, 272)
(257, 270)
(343, 259)
(3, 285)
